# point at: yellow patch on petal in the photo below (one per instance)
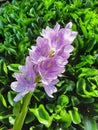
(51, 53)
(28, 78)
(43, 52)
(57, 39)
(48, 65)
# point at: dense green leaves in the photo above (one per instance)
(42, 115)
(75, 104)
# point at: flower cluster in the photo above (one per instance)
(46, 61)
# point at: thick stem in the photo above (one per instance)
(21, 117)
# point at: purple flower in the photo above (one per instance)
(25, 80)
(59, 37)
(49, 70)
(63, 55)
(50, 88)
(41, 51)
(46, 61)
(55, 37)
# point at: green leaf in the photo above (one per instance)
(87, 72)
(48, 3)
(37, 127)
(11, 120)
(83, 28)
(17, 108)
(58, 108)
(81, 89)
(57, 117)
(75, 100)
(10, 97)
(63, 100)
(50, 107)
(3, 101)
(75, 116)
(90, 45)
(42, 115)
(29, 118)
(3, 128)
(5, 114)
(80, 86)
(90, 124)
(13, 67)
(11, 50)
(5, 68)
(65, 117)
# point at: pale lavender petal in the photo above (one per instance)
(21, 68)
(62, 62)
(17, 87)
(49, 69)
(46, 32)
(68, 48)
(17, 76)
(69, 25)
(50, 88)
(56, 27)
(32, 87)
(69, 36)
(41, 52)
(20, 96)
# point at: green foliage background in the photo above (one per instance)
(75, 105)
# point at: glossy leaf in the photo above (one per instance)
(63, 100)
(42, 115)
(75, 116)
(90, 124)
(13, 67)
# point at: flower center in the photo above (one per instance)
(51, 53)
(57, 39)
(28, 78)
(43, 52)
(48, 65)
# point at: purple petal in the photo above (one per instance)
(41, 52)
(56, 27)
(68, 48)
(50, 88)
(32, 87)
(17, 87)
(20, 96)
(69, 36)
(69, 25)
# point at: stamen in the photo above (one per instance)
(28, 78)
(48, 65)
(51, 53)
(43, 52)
(57, 39)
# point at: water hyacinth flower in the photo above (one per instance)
(25, 80)
(49, 69)
(50, 87)
(46, 61)
(41, 51)
(59, 37)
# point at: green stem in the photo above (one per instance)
(21, 117)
